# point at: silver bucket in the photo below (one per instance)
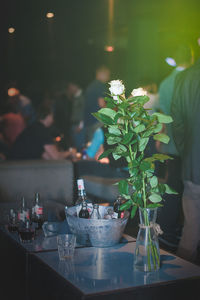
(96, 233)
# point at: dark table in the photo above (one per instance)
(108, 273)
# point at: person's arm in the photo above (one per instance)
(97, 141)
(51, 152)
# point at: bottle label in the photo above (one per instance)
(122, 215)
(39, 210)
(23, 215)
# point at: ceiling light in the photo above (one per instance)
(11, 29)
(50, 15)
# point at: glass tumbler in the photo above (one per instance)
(66, 245)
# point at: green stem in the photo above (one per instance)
(144, 191)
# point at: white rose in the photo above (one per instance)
(138, 92)
(116, 87)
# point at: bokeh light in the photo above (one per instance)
(11, 30)
(50, 15)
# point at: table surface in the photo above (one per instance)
(96, 270)
(45, 244)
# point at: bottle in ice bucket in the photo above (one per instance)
(82, 197)
(24, 212)
(116, 207)
(81, 192)
(95, 213)
(84, 213)
(37, 212)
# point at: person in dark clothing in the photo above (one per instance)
(94, 99)
(185, 111)
(36, 142)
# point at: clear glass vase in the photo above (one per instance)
(147, 252)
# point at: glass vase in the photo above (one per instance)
(147, 252)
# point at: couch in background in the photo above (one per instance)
(54, 180)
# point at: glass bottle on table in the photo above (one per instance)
(95, 213)
(26, 232)
(37, 212)
(23, 213)
(116, 207)
(82, 197)
(84, 213)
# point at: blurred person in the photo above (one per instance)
(170, 215)
(77, 111)
(185, 110)
(36, 142)
(94, 99)
(12, 124)
(22, 103)
(90, 164)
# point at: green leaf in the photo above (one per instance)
(123, 187)
(105, 153)
(154, 181)
(155, 198)
(154, 205)
(145, 165)
(161, 188)
(114, 130)
(161, 157)
(133, 211)
(126, 205)
(116, 156)
(162, 118)
(113, 140)
(169, 190)
(103, 118)
(157, 128)
(141, 99)
(127, 138)
(120, 149)
(142, 143)
(139, 128)
(161, 137)
(138, 184)
(108, 112)
(117, 116)
(148, 133)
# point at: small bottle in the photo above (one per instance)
(24, 212)
(12, 225)
(109, 214)
(37, 212)
(26, 233)
(84, 213)
(116, 207)
(95, 213)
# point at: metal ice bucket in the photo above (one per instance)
(96, 233)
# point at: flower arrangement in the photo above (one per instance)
(129, 130)
(130, 127)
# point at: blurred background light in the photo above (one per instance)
(109, 48)
(11, 29)
(13, 92)
(50, 15)
(170, 61)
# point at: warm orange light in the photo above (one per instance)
(50, 15)
(13, 92)
(11, 29)
(58, 139)
(109, 48)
